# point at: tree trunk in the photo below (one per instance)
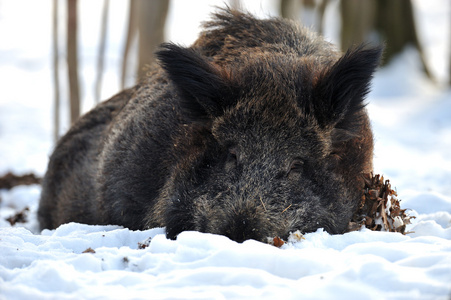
(101, 54)
(294, 10)
(321, 10)
(235, 4)
(131, 32)
(357, 21)
(151, 22)
(449, 63)
(396, 24)
(391, 21)
(290, 9)
(56, 83)
(72, 60)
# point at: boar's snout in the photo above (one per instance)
(243, 226)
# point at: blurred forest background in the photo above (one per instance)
(373, 21)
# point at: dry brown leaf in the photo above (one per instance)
(89, 250)
(144, 244)
(20, 217)
(10, 180)
(379, 208)
(278, 242)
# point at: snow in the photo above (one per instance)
(357, 264)
(412, 126)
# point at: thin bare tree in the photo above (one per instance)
(72, 60)
(101, 53)
(55, 62)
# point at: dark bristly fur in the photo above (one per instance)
(257, 130)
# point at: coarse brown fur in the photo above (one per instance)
(257, 130)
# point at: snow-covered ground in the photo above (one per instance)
(412, 124)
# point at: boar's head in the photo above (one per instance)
(274, 142)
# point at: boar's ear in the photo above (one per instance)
(202, 86)
(339, 92)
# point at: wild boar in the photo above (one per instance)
(257, 130)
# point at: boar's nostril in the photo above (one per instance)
(242, 229)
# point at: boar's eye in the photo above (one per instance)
(334, 159)
(232, 158)
(296, 167)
